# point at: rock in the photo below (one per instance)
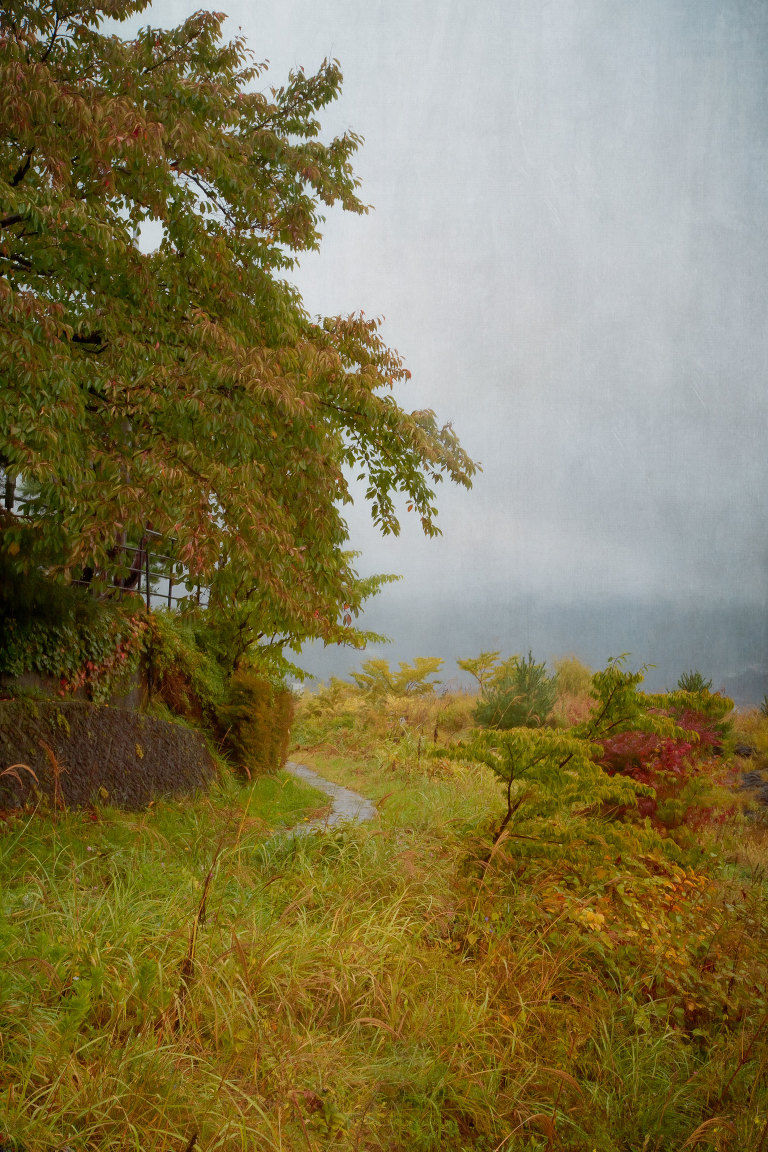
(752, 780)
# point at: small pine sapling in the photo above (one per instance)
(693, 681)
(520, 695)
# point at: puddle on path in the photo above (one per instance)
(347, 805)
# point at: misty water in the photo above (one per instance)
(727, 642)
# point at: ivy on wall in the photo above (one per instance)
(99, 655)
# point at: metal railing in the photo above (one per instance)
(146, 570)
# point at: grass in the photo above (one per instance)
(186, 977)
(98, 910)
(511, 1024)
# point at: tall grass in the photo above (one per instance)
(373, 987)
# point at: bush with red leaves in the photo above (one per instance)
(677, 769)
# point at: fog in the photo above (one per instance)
(570, 247)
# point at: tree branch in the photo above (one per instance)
(166, 59)
(90, 338)
(21, 262)
(210, 195)
(342, 411)
(52, 41)
(23, 168)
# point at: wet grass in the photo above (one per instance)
(190, 977)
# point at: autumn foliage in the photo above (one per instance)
(156, 368)
(678, 767)
(256, 723)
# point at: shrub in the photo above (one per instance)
(180, 673)
(342, 715)
(668, 766)
(486, 668)
(572, 678)
(455, 713)
(247, 713)
(377, 680)
(676, 762)
(548, 772)
(693, 681)
(522, 697)
(573, 681)
(58, 631)
(256, 721)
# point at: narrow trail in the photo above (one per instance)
(347, 805)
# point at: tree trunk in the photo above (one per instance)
(10, 492)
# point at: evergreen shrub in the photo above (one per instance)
(693, 681)
(522, 697)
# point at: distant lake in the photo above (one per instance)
(726, 642)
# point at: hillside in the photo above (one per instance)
(505, 957)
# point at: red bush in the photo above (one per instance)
(668, 765)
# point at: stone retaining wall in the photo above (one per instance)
(85, 753)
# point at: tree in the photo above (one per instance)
(514, 693)
(186, 389)
(693, 681)
(484, 668)
(377, 680)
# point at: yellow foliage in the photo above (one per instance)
(573, 677)
(257, 721)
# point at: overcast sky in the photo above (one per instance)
(570, 247)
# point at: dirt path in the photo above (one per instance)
(347, 805)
